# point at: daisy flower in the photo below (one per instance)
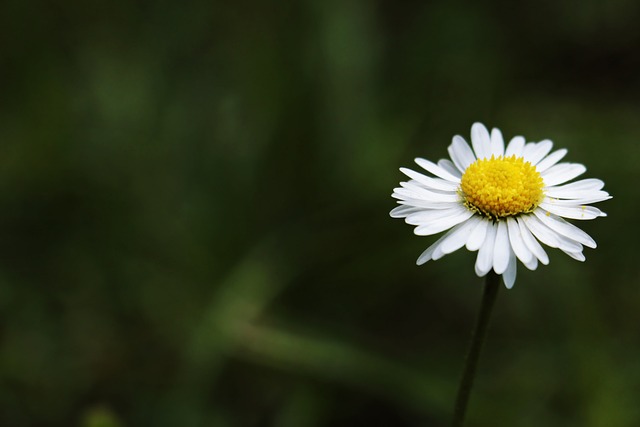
(501, 202)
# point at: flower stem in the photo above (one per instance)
(492, 284)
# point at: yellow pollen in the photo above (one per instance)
(501, 186)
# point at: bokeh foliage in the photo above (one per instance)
(194, 226)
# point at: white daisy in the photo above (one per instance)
(500, 202)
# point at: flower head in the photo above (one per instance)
(501, 202)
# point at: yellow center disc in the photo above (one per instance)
(501, 187)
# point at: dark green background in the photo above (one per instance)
(194, 204)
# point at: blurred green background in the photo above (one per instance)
(194, 223)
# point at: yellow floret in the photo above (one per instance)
(501, 186)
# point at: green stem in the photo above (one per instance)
(492, 285)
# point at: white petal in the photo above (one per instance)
(476, 237)
(427, 181)
(416, 192)
(517, 244)
(461, 153)
(529, 148)
(425, 204)
(403, 211)
(428, 253)
(561, 226)
(533, 245)
(484, 261)
(497, 143)
(533, 264)
(425, 216)
(551, 160)
(562, 173)
(448, 166)
(550, 237)
(436, 170)
(437, 253)
(567, 245)
(442, 224)
(515, 147)
(481, 141)
(501, 248)
(561, 193)
(434, 249)
(457, 237)
(543, 234)
(574, 212)
(509, 276)
(579, 256)
(592, 197)
(406, 194)
(589, 184)
(540, 150)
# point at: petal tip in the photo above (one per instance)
(508, 283)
